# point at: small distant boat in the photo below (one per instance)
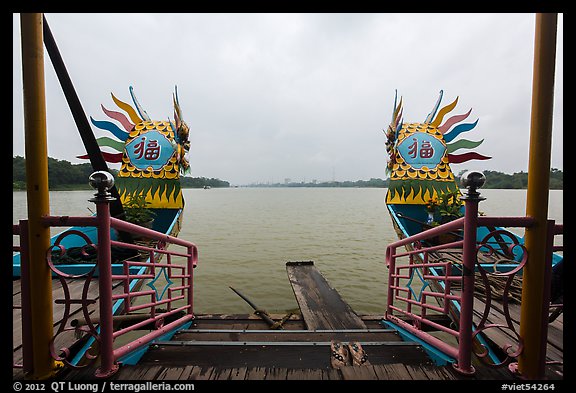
(207, 187)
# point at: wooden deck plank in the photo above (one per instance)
(170, 373)
(139, 373)
(556, 335)
(445, 373)
(18, 374)
(200, 373)
(186, 373)
(238, 373)
(222, 374)
(435, 373)
(16, 290)
(16, 328)
(309, 374)
(331, 374)
(256, 373)
(396, 371)
(358, 373)
(501, 337)
(276, 373)
(151, 373)
(380, 372)
(417, 373)
(321, 306)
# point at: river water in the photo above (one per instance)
(246, 235)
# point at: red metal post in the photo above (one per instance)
(27, 350)
(391, 264)
(192, 260)
(546, 293)
(473, 180)
(103, 181)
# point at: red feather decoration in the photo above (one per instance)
(459, 158)
(108, 157)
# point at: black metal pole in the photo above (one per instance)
(90, 143)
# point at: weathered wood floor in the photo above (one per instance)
(397, 367)
(241, 347)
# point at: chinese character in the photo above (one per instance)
(139, 148)
(152, 150)
(426, 151)
(413, 148)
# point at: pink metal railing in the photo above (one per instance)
(18, 231)
(401, 291)
(410, 310)
(556, 306)
(175, 301)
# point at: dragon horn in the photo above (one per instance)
(139, 108)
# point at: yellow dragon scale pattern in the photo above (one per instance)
(402, 171)
(170, 171)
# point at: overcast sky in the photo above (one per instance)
(299, 96)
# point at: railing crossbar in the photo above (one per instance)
(156, 304)
(422, 265)
(423, 305)
(427, 322)
(145, 322)
(140, 247)
(417, 251)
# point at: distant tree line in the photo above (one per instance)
(63, 175)
(200, 182)
(494, 179)
(373, 182)
(520, 179)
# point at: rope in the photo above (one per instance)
(498, 285)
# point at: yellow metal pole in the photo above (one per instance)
(531, 362)
(43, 366)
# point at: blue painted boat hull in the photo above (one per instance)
(167, 221)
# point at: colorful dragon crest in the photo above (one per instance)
(152, 153)
(420, 154)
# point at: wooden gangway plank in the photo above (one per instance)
(321, 306)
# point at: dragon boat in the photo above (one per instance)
(423, 191)
(152, 157)
(422, 198)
